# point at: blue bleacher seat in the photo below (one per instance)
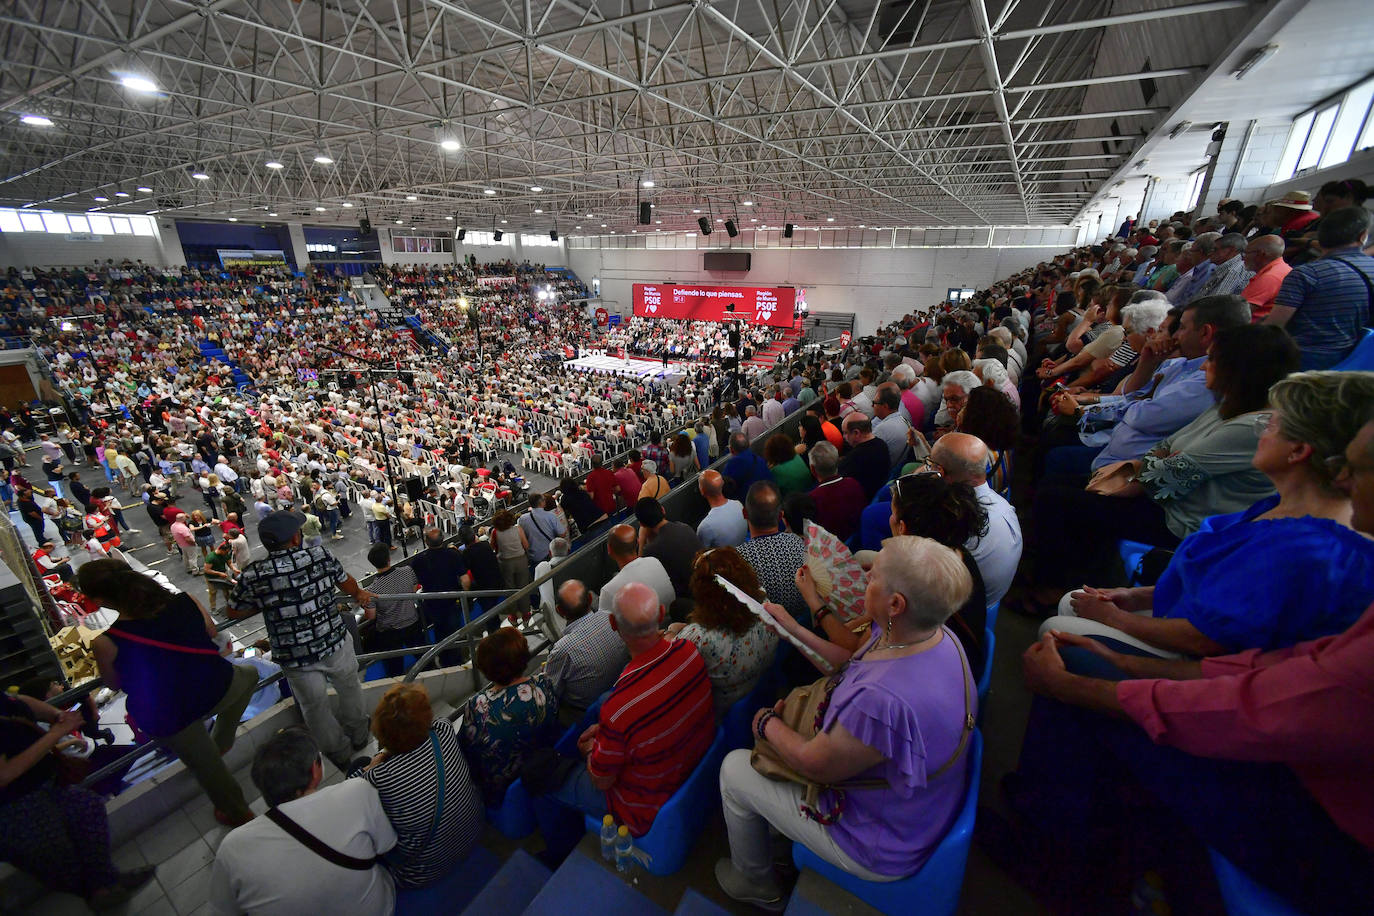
(515, 817)
(1243, 896)
(682, 816)
(1131, 554)
(1360, 359)
(992, 615)
(454, 891)
(739, 717)
(932, 891)
(985, 676)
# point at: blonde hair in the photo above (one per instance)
(1325, 410)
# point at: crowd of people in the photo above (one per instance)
(863, 525)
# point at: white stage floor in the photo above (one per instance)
(637, 368)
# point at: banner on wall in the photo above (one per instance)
(752, 304)
(256, 257)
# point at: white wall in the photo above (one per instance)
(42, 249)
(877, 285)
(551, 256)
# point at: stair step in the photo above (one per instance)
(455, 891)
(581, 879)
(694, 904)
(512, 888)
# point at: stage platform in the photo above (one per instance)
(646, 369)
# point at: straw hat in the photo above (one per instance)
(1293, 200)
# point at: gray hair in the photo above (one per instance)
(1206, 243)
(1326, 410)
(1143, 317)
(904, 375)
(649, 466)
(559, 547)
(1232, 240)
(963, 378)
(824, 459)
(993, 372)
(929, 576)
(1146, 295)
(282, 766)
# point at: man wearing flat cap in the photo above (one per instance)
(293, 587)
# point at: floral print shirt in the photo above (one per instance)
(734, 663)
(500, 725)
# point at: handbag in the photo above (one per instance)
(1111, 479)
(804, 712)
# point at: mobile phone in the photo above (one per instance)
(1061, 387)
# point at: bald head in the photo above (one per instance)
(963, 457)
(637, 613)
(859, 425)
(711, 485)
(622, 544)
(574, 599)
(1262, 250)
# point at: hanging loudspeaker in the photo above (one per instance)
(646, 213)
(730, 229)
(705, 225)
(462, 234)
(553, 235)
(787, 231)
(364, 225)
(497, 235)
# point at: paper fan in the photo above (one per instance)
(840, 579)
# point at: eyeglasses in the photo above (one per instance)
(1264, 422)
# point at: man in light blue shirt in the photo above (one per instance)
(1190, 285)
(1177, 394)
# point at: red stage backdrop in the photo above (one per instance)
(754, 304)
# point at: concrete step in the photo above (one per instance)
(604, 891)
(512, 888)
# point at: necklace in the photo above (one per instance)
(906, 645)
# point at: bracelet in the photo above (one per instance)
(821, 611)
(762, 725)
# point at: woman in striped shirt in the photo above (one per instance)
(426, 790)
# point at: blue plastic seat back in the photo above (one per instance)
(567, 745)
(1243, 896)
(1360, 359)
(932, 891)
(683, 816)
(1132, 552)
(740, 717)
(985, 676)
(515, 817)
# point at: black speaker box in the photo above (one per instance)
(646, 213)
(497, 235)
(787, 231)
(730, 229)
(462, 234)
(553, 235)
(705, 225)
(364, 225)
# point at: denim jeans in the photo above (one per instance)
(338, 736)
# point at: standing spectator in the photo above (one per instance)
(512, 550)
(185, 539)
(397, 625)
(744, 466)
(160, 652)
(839, 500)
(261, 868)
(786, 466)
(682, 458)
(584, 511)
(293, 587)
(440, 568)
(622, 546)
(673, 544)
(601, 484)
(627, 483)
(655, 486)
(540, 527)
(867, 459)
(220, 571)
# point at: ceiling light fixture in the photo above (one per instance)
(121, 193)
(233, 219)
(696, 211)
(747, 203)
(398, 222)
(537, 210)
(411, 197)
(535, 188)
(200, 176)
(449, 218)
(319, 209)
(272, 214)
(346, 205)
(36, 120)
(1253, 60)
(138, 83)
(145, 190)
(489, 191)
(647, 183)
(451, 145)
(322, 159)
(274, 164)
(503, 222)
(101, 199)
(830, 219)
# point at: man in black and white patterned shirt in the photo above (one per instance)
(293, 588)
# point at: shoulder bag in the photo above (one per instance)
(804, 712)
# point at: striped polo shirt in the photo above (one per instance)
(656, 724)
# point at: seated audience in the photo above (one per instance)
(838, 500)
(961, 458)
(744, 467)
(673, 544)
(653, 728)
(265, 866)
(622, 546)
(786, 465)
(587, 658)
(736, 646)
(774, 554)
(1286, 569)
(422, 779)
(724, 524)
(510, 716)
(866, 459)
(901, 712)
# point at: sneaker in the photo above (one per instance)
(737, 887)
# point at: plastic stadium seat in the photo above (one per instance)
(1131, 554)
(515, 817)
(683, 816)
(992, 615)
(932, 891)
(740, 716)
(1242, 896)
(985, 676)
(1361, 359)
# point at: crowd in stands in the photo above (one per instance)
(675, 339)
(1159, 388)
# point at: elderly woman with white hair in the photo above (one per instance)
(994, 375)
(899, 715)
(955, 387)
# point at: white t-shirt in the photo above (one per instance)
(647, 570)
(260, 869)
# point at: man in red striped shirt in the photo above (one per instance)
(656, 724)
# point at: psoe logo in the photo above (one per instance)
(765, 310)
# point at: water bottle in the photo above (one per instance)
(624, 850)
(608, 836)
